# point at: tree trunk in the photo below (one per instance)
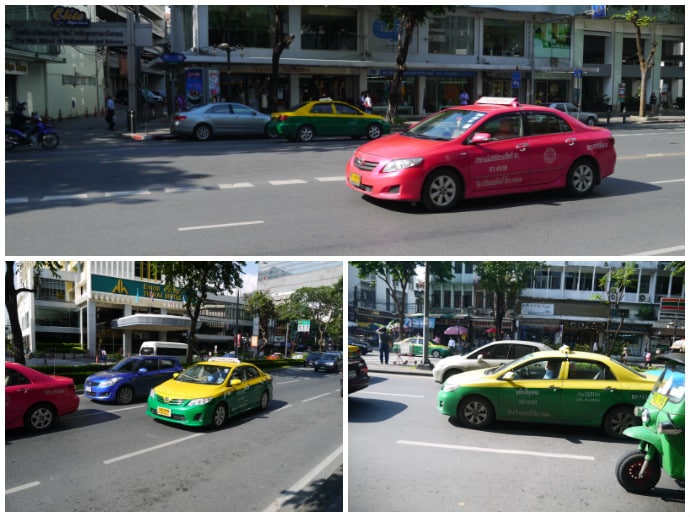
(13, 312)
(404, 40)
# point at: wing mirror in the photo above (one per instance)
(509, 376)
(480, 138)
(235, 382)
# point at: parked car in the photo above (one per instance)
(357, 371)
(220, 119)
(554, 387)
(312, 357)
(209, 392)
(35, 400)
(494, 147)
(491, 354)
(591, 119)
(131, 378)
(413, 346)
(330, 362)
(362, 345)
(324, 118)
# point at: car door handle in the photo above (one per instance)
(570, 141)
(522, 147)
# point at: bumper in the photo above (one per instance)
(101, 394)
(404, 185)
(195, 416)
(447, 403)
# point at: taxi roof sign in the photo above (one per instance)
(503, 101)
(224, 359)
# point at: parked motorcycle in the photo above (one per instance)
(46, 136)
(661, 435)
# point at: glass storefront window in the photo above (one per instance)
(451, 35)
(246, 25)
(504, 37)
(441, 93)
(379, 89)
(329, 28)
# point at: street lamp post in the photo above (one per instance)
(228, 49)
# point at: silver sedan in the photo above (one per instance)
(220, 119)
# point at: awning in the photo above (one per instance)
(159, 322)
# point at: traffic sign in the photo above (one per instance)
(515, 80)
(175, 57)
(303, 325)
(577, 73)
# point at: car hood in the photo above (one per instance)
(469, 377)
(186, 390)
(400, 146)
(104, 376)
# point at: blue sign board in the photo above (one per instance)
(515, 80)
(577, 73)
(173, 58)
(598, 11)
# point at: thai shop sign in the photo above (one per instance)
(126, 287)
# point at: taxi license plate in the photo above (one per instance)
(658, 400)
(163, 411)
(356, 179)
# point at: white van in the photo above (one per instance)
(163, 348)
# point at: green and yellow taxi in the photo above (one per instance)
(209, 392)
(325, 118)
(414, 346)
(555, 387)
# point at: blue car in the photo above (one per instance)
(131, 378)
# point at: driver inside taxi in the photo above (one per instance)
(552, 368)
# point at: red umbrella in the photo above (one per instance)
(456, 330)
(492, 330)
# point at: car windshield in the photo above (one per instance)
(129, 364)
(445, 125)
(204, 374)
(671, 383)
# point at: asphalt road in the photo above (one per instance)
(405, 456)
(257, 197)
(115, 458)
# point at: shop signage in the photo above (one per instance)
(673, 304)
(125, 287)
(16, 67)
(537, 309)
(69, 16)
(385, 72)
(97, 34)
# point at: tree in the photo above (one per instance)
(281, 41)
(646, 62)
(12, 295)
(505, 281)
(196, 281)
(614, 285)
(262, 305)
(409, 18)
(322, 305)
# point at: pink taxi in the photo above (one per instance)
(493, 147)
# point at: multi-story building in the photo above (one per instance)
(279, 279)
(117, 305)
(536, 53)
(564, 303)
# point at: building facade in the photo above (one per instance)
(536, 53)
(117, 305)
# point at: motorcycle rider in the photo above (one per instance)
(21, 122)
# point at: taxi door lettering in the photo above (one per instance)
(531, 400)
(498, 166)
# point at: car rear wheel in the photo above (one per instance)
(628, 472)
(581, 178)
(374, 131)
(125, 395)
(476, 412)
(40, 417)
(617, 420)
(270, 131)
(220, 414)
(305, 133)
(441, 190)
(591, 121)
(203, 132)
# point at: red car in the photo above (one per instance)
(35, 400)
(494, 147)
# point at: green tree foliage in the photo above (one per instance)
(260, 304)
(409, 17)
(198, 280)
(614, 285)
(504, 281)
(12, 291)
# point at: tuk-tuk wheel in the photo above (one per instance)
(628, 469)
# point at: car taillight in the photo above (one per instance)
(283, 118)
(180, 117)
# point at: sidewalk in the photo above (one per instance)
(374, 365)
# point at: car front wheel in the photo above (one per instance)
(202, 132)
(219, 415)
(591, 121)
(125, 395)
(476, 412)
(581, 178)
(441, 190)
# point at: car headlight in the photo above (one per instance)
(450, 386)
(110, 382)
(404, 163)
(200, 402)
(645, 416)
(152, 394)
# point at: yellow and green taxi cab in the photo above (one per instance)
(555, 387)
(414, 346)
(209, 392)
(324, 118)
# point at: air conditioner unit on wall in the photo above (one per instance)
(643, 298)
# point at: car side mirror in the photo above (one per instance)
(509, 376)
(176, 375)
(235, 382)
(142, 370)
(480, 138)
(480, 357)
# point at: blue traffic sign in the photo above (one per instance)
(173, 57)
(515, 80)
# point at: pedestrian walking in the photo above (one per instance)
(384, 342)
(595, 347)
(110, 112)
(464, 98)
(624, 355)
(652, 101)
(648, 359)
(367, 102)
(104, 356)
(451, 345)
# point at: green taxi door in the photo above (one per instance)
(532, 392)
(237, 395)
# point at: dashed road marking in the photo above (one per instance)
(215, 226)
(498, 451)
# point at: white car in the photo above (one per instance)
(591, 119)
(487, 356)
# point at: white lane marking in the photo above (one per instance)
(390, 394)
(307, 479)
(144, 451)
(176, 190)
(16, 200)
(317, 397)
(21, 487)
(65, 197)
(278, 183)
(213, 226)
(680, 180)
(330, 178)
(286, 382)
(281, 408)
(234, 185)
(661, 251)
(498, 451)
(650, 155)
(127, 193)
